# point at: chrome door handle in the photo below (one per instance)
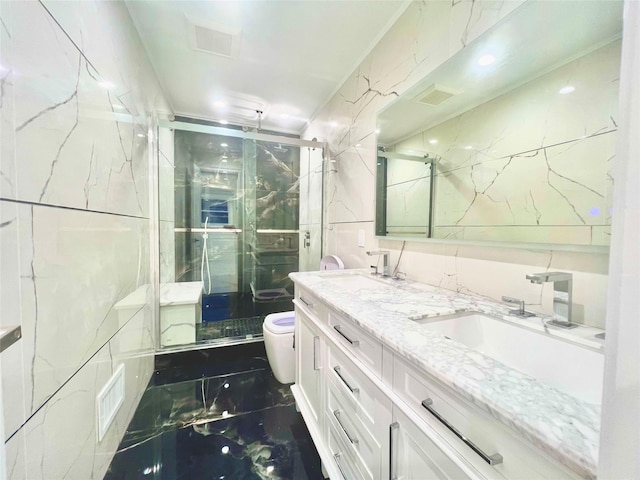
(336, 457)
(315, 353)
(355, 391)
(494, 459)
(353, 440)
(392, 427)
(354, 343)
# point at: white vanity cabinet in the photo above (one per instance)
(373, 414)
(487, 446)
(309, 358)
(415, 456)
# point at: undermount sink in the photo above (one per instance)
(571, 368)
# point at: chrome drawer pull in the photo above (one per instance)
(336, 457)
(392, 427)
(355, 391)
(353, 440)
(308, 304)
(494, 459)
(354, 343)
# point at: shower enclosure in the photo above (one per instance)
(229, 207)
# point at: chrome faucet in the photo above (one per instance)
(562, 296)
(386, 270)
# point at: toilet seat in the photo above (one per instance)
(280, 323)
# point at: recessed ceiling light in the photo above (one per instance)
(433, 141)
(223, 122)
(567, 89)
(468, 147)
(224, 145)
(225, 449)
(486, 59)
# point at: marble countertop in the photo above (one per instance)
(563, 426)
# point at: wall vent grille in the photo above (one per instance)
(436, 94)
(213, 41)
(109, 401)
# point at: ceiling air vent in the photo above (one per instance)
(436, 94)
(211, 38)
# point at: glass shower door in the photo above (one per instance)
(229, 217)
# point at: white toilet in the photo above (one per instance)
(278, 341)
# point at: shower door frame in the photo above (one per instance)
(155, 179)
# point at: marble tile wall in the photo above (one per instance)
(426, 35)
(75, 225)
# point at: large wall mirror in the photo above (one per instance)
(513, 138)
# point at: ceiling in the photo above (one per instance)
(287, 58)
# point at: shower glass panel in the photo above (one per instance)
(229, 227)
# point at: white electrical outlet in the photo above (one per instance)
(361, 238)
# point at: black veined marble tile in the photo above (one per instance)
(236, 423)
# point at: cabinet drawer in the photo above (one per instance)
(415, 455)
(435, 404)
(365, 447)
(362, 345)
(311, 305)
(342, 456)
(369, 404)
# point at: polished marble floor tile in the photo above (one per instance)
(234, 424)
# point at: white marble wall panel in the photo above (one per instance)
(426, 35)
(74, 115)
(341, 239)
(107, 36)
(7, 140)
(74, 267)
(61, 103)
(473, 18)
(61, 438)
(12, 367)
(350, 186)
(16, 467)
